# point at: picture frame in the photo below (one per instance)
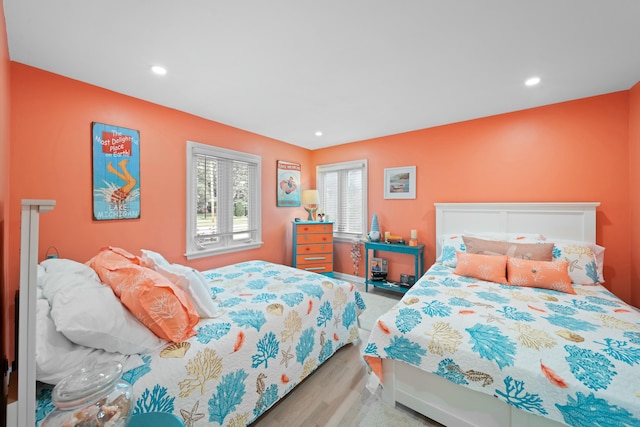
(400, 183)
(116, 172)
(288, 192)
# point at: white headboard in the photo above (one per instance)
(569, 221)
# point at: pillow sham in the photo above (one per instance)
(585, 260)
(539, 274)
(490, 268)
(92, 316)
(151, 259)
(160, 305)
(57, 357)
(531, 251)
(194, 284)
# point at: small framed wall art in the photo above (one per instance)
(288, 183)
(400, 183)
(116, 172)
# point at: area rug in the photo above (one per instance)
(378, 301)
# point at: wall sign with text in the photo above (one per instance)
(116, 172)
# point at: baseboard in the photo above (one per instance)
(12, 414)
(349, 278)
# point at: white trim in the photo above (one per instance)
(29, 235)
(198, 149)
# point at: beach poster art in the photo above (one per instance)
(116, 172)
(288, 184)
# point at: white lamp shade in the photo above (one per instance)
(310, 197)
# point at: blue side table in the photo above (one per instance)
(418, 257)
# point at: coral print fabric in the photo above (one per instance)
(571, 358)
(275, 325)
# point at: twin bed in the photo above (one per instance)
(271, 326)
(470, 352)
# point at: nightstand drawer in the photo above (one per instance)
(314, 259)
(315, 228)
(314, 249)
(314, 238)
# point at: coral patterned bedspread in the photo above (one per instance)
(275, 326)
(571, 358)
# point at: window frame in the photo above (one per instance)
(195, 149)
(343, 166)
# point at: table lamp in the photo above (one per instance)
(310, 202)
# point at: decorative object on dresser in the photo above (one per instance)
(313, 246)
(310, 200)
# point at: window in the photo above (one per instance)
(223, 200)
(343, 196)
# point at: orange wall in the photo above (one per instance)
(634, 188)
(572, 151)
(51, 141)
(4, 171)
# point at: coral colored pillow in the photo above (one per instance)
(160, 305)
(491, 268)
(539, 274)
(530, 251)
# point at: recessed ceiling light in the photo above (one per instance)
(159, 70)
(318, 133)
(532, 81)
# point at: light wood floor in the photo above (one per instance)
(334, 395)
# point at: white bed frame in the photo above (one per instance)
(23, 411)
(451, 404)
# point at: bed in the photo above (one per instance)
(470, 352)
(268, 327)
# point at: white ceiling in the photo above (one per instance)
(354, 69)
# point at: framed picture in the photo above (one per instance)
(116, 172)
(400, 183)
(288, 183)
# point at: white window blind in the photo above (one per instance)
(343, 197)
(223, 200)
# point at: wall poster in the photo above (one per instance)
(288, 184)
(116, 172)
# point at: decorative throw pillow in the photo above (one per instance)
(160, 305)
(585, 260)
(530, 251)
(449, 245)
(194, 284)
(539, 274)
(490, 268)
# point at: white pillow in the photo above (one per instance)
(61, 265)
(194, 284)
(52, 283)
(57, 357)
(91, 315)
(151, 259)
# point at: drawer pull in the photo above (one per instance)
(314, 268)
(315, 258)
